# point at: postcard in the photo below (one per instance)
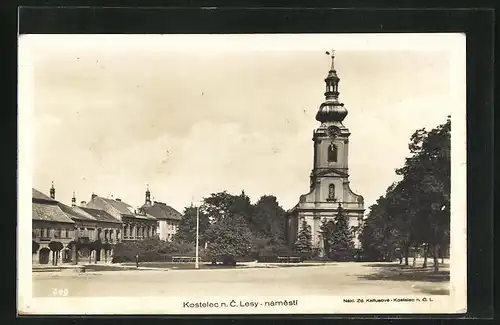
(242, 174)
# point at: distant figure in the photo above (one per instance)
(137, 260)
(399, 255)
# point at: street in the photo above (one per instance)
(328, 279)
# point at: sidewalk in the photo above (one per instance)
(88, 267)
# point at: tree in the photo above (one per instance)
(96, 246)
(229, 237)
(217, 205)
(428, 172)
(326, 232)
(268, 220)
(372, 239)
(187, 226)
(72, 245)
(339, 237)
(34, 247)
(415, 211)
(303, 245)
(106, 247)
(55, 247)
(262, 224)
(228, 234)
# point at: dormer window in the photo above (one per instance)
(332, 153)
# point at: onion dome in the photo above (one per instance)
(331, 110)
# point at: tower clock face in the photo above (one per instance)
(333, 131)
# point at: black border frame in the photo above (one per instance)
(476, 23)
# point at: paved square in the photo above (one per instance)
(339, 279)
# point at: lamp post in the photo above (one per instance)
(196, 265)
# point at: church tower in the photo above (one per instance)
(329, 180)
(53, 192)
(148, 196)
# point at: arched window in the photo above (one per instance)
(332, 153)
(331, 191)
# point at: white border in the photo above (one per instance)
(454, 303)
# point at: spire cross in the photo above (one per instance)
(333, 60)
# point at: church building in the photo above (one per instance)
(329, 180)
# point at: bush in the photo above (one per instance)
(268, 258)
(34, 247)
(152, 250)
(346, 255)
(268, 251)
(229, 260)
(119, 259)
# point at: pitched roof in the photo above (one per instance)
(39, 196)
(75, 214)
(162, 211)
(126, 209)
(49, 212)
(122, 207)
(100, 215)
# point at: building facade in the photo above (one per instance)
(49, 224)
(329, 179)
(108, 221)
(168, 218)
(136, 224)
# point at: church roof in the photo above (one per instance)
(331, 110)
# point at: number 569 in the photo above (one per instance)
(60, 292)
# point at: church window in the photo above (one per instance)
(331, 191)
(332, 153)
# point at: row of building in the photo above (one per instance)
(109, 220)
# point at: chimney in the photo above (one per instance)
(73, 200)
(83, 203)
(93, 196)
(52, 192)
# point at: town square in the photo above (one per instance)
(273, 172)
(377, 279)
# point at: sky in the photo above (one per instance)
(193, 115)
